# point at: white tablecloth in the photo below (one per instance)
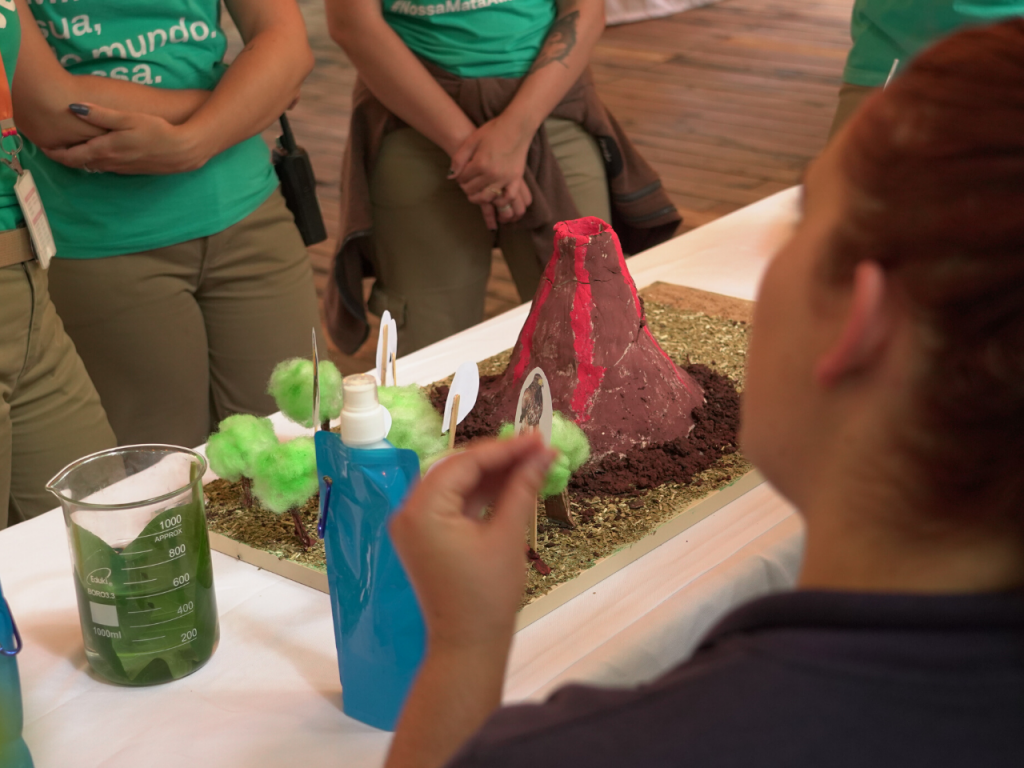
(270, 696)
(625, 11)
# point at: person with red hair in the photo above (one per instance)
(885, 400)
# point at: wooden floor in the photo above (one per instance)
(728, 102)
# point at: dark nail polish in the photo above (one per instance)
(79, 109)
(451, 173)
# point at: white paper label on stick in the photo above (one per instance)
(465, 384)
(534, 408)
(35, 218)
(385, 322)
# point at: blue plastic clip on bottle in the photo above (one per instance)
(13, 750)
(378, 626)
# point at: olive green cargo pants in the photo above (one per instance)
(50, 413)
(178, 338)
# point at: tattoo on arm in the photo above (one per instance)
(559, 43)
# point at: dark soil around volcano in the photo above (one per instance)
(640, 468)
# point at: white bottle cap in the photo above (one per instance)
(364, 420)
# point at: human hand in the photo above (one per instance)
(135, 143)
(518, 198)
(490, 159)
(469, 573)
(514, 201)
(490, 216)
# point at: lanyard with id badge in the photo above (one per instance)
(25, 187)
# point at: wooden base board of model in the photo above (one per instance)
(688, 515)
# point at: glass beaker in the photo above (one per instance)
(143, 573)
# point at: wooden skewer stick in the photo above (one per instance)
(533, 527)
(453, 422)
(895, 63)
(384, 356)
(394, 370)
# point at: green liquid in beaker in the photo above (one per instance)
(148, 610)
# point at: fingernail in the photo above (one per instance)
(451, 173)
(79, 109)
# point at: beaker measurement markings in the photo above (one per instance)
(171, 522)
(158, 623)
(147, 639)
(163, 562)
(144, 610)
(129, 583)
(140, 552)
(182, 585)
(159, 533)
(194, 635)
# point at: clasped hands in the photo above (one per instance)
(133, 143)
(489, 166)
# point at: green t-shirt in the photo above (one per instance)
(167, 44)
(885, 30)
(10, 42)
(473, 38)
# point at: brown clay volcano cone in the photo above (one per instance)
(587, 331)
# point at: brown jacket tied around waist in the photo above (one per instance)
(642, 214)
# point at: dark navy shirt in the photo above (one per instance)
(815, 679)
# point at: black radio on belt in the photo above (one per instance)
(298, 185)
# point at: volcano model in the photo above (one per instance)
(587, 331)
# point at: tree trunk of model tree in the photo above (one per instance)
(557, 507)
(587, 331)
(246, 485)
(300, 529)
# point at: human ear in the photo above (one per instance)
(865, 327)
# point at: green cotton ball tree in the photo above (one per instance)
(568, 438)
(291, 386)
(285, 475)
(233, 448)
(573, 450)
(415, 423)
(285, 478)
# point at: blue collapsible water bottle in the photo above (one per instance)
(378, 626)
(13, 750)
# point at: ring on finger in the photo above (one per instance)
(507, 208)
(495, 192)
(87, 169)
